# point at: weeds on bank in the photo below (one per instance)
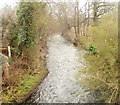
(102, 57)
(24, 84)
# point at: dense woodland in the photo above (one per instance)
(26, 28)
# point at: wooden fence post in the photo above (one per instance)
(9, 52)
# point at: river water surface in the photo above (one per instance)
(60, 86)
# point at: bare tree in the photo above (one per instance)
(100, 8)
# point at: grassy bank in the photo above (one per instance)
(102, 57)
(23, 85)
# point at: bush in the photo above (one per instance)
(25, 21)
(92, 49)
(31, 24)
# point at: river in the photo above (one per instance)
(60, 86)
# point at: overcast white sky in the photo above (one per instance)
(12, 3)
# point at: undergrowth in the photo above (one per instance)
(23, 86)
(27, 42)
(102, 57)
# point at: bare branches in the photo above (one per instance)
(71, 15)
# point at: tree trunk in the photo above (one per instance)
(78, 22)
(95, 10)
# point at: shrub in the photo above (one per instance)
(92, 49)
(31, 24)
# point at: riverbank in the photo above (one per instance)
(28, 78)
(102, 57)
(25, 84)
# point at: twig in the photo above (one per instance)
(112, 96)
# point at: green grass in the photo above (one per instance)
(23, 86)
(103, 66)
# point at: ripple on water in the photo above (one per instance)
(60, 85)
